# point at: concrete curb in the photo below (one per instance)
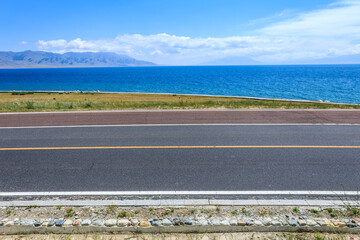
(13, 230)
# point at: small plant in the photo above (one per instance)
(263, 212)
(244, 211)
(166, 212)
(218, 209)
(31, 206)
(8, 212)
(234, 212)
(151, 209)
(192, 211)
(110, 209)
(314, 211)
(58, 207)
(122, 214)
(330, 210)
(334, 215)
(296, 210)
(318, 237)
(69, 212)
(136, 211)
(29, 105)
(172, 209)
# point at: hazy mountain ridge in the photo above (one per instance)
(40, 59)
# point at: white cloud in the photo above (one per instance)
(328, 32)
(23, 42)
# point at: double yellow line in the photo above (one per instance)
(165, 147)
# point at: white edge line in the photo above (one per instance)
(151, 193)
(191, 110)
(177, 202)
(193, 124)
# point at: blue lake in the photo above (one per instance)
(335, 83)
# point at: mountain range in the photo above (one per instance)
(40, 59)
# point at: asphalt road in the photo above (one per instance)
(254, 160)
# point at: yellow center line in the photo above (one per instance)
(165, 147)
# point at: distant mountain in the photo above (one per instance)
(40, 59)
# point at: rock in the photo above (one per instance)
(51, 223)
(267, 221)
(134, 222)
(9, 224)
(86, 222)
(166, 222)
(311, 222)
(68, 223)
(123, 222)
(145, 224)
(248, 221)
(275, 223)
(258, 223)
(293, 222)
(214, 221)
(59, 223)
(27, 222)
(77, 222)
(225, 223)
(321, 222)
(351, 225)
(339, 224)
(233, 222)
(356, 220)
(241, 223)
(110, 222)
(328, 222)
(203, 222)
(188, 222)
(155, 223)
(98, 223)
(302, 222)
(45, 224)
(37, 224)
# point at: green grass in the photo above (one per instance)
(30, 101)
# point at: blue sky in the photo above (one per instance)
(188, 32)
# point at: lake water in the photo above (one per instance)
(335, 83)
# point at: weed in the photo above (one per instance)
(110, 209)
(263, 212)
(192, 211)
(31, 206)
(334, 215)
(244, 211)
(172, 209)
(166, 212)
(314, 211)
(234, 212)
(296, 210)
(122, 214)
(151, 209)
(218, 209)
(136, 211)
(58, 207)
(330, 210)
(29, 105)
(69, 212)
(8, 212)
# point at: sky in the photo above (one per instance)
(188, 32)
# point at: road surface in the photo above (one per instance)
(179, 157)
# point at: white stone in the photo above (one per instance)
(123, 222)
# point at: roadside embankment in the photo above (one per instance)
(178, 219)
(70, 101)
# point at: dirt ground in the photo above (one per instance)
(210, 236)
